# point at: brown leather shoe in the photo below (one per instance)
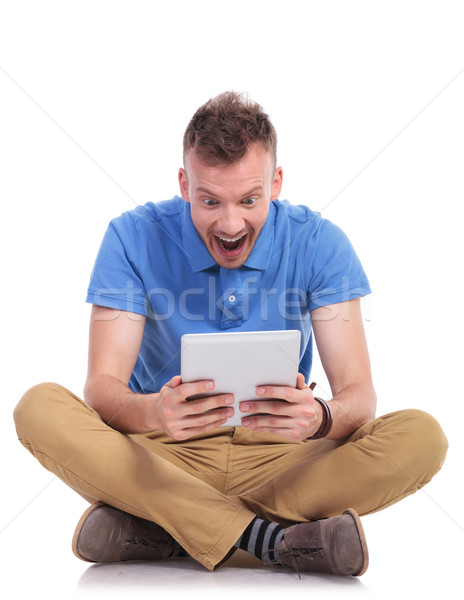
(335, 545)
(105, 534)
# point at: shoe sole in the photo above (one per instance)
(362, 539)
(82, 520)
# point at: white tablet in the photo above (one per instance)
(238, 362)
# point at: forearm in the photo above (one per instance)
(351, 408)
(118, 406)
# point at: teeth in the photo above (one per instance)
(222, 240)
(233, 240)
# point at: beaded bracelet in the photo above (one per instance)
(327, 420)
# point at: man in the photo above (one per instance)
(164, 476)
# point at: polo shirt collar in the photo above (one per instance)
(199, 257)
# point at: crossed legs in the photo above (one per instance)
(205, 491)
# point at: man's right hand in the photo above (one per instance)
(181, 418)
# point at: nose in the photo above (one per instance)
(231, 223)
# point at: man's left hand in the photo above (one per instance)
(286, 411)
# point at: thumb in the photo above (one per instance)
(174, 382)
(300, 381)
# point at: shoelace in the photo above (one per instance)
(299, 549)
(140, 540)
(311, 552)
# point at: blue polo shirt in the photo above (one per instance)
(153, 262)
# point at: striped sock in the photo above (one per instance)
(261, 538)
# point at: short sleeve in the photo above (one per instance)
(115, 281)
(336, 273)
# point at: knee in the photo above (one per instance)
(35, 409)
(424, 442)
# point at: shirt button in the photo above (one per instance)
(231, 298)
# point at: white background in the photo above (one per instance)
(367, 100)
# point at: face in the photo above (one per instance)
(230, 203)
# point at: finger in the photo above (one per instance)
(267, 420)
(202, 405)
(274, 407)
(283, 426)
(182, 391)
(290, 394)
(191, 431)
(181, 424)
(207, 419)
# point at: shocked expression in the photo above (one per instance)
(230, 203)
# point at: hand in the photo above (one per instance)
(298, 418)
(181, 418)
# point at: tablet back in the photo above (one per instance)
(238, 362)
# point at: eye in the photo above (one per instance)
(209, 202)
(249, 201)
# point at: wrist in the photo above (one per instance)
(146, 406)
(326, 422)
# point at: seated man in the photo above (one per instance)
(166, 476)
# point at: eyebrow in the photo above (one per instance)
(254, 190)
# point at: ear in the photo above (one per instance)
(277, 183)
(183, 184)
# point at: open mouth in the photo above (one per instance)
(228, 246)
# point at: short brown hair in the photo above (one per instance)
(222, 130)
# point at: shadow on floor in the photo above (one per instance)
(241, 570)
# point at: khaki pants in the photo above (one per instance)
(204, 491)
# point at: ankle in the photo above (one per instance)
(261, 538)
